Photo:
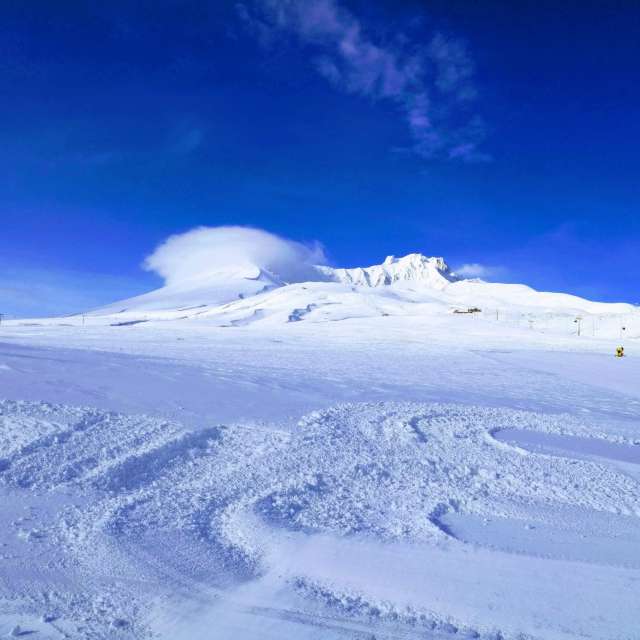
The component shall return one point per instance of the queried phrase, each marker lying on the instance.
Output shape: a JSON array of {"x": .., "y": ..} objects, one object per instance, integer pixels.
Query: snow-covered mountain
[
  {"x": 413, "y": 285},
  {"x": 239, "y": 282},
  {"x": 413, "y": 278}
]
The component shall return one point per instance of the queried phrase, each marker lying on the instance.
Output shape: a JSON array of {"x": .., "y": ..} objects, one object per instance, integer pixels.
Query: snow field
[{"x": 374, "y": 485}]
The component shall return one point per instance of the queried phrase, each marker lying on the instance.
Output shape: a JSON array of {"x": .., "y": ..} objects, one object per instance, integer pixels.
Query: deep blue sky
[{"x": 123, "y": 124}]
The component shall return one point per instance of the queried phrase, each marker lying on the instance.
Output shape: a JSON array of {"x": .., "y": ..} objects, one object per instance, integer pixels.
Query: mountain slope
[{"x": 198, "y": 293}]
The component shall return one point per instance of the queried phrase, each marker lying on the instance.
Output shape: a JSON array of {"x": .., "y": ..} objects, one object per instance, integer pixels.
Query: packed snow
[{"x": 385, "y": 452}]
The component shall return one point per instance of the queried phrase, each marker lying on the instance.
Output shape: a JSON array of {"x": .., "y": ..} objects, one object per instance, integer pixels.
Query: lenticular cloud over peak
[{"x": 205, "y": 251}]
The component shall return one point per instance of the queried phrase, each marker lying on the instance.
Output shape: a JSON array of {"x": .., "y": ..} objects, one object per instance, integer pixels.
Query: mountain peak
[
  {"x": 414, "y": 267},
  {"x": 417, "y": 259}
]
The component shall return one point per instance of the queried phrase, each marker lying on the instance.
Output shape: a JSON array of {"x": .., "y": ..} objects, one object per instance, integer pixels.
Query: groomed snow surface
[{"x": 348, "y": 476}]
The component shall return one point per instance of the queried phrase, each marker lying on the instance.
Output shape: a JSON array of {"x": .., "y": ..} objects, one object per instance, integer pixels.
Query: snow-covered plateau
[{"x": 375, "y": 453}]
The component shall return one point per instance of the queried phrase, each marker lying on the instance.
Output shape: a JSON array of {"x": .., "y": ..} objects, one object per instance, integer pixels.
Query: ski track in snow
[{"x": 148, "y": 509}]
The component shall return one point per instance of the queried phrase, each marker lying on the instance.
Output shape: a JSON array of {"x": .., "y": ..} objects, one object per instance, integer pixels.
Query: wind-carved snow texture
[{"x": 157, "y": 508}]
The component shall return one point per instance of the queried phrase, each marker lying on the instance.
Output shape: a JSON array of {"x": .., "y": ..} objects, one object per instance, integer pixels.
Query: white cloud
[
  {"x": 429, "y": 84},
  {"x": 207, "y": 250},
  {"x": 476, "y": 270}
]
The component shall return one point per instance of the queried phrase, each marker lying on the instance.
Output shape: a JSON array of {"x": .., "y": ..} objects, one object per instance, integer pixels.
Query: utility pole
[{"x": 578, "y": 320}]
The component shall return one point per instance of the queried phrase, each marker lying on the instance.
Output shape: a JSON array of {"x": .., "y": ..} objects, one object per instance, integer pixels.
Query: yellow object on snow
[{"x": 619, "y": 352}]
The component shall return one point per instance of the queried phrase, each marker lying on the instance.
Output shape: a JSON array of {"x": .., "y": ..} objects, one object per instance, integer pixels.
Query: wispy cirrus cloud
[{"x": 431, "y": 85}]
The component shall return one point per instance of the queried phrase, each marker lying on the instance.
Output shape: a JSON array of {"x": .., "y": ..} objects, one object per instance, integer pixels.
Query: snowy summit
[{"x": 413, "y": 268}]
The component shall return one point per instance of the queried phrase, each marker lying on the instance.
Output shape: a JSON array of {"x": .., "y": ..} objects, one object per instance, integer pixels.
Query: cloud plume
[
  {"x": 430, "y": 85},
  {"x": 476, "y": 270},
  {"x": 204, "y": 251}
]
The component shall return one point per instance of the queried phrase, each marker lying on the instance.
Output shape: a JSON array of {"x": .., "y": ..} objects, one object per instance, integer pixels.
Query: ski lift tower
[{"x": 578, "y": 321}]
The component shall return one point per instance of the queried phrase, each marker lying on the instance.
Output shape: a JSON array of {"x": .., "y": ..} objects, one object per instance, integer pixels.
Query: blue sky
[{"x": 498, "y": 133}]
